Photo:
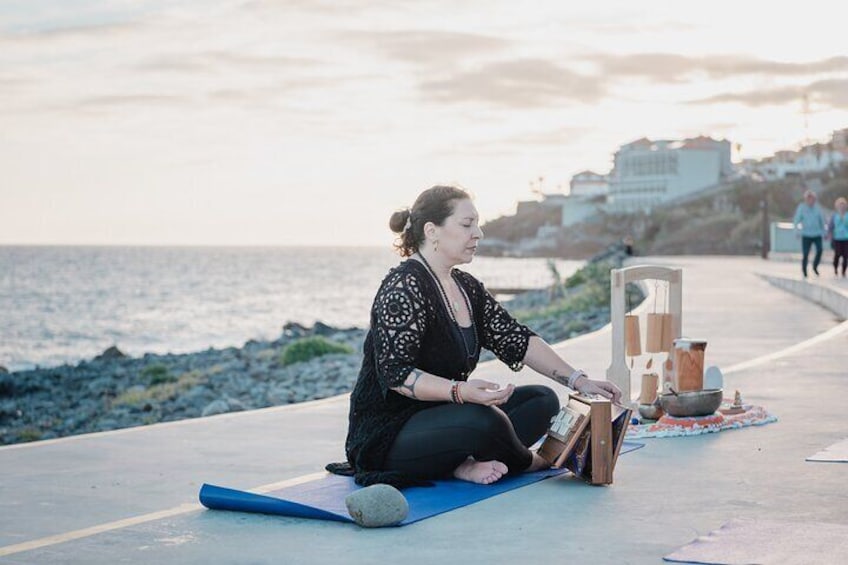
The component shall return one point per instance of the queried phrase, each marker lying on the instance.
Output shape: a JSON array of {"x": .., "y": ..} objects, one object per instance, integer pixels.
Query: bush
[
  {"x": 160, "y": 392},
  {"x": 310, "y": 348},
  {"x": 588, "y": 289},
  {"x": 29, "y": 434},
  {"x": 157, "y": 374}
]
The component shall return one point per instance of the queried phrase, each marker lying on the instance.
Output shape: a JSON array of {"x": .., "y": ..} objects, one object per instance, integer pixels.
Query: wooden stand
[
  {"x": 591, "y": 441},
  {"x": 618, "y": 371}
]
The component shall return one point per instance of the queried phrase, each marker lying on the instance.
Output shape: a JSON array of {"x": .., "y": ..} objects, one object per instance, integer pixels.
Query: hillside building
[
  {"x": 646, "y": 173},
  {"x": 588, "y": 183},
  {"x": 813, "y": 158}
]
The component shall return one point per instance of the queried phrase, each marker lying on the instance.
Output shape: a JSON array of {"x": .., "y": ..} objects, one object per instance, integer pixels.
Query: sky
[{"x": 308, "y": 122}]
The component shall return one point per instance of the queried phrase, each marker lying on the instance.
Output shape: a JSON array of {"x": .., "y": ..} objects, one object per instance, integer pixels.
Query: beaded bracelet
[
  {"x": 572, "y": 379},
  {"x": 456, "y": 395}
]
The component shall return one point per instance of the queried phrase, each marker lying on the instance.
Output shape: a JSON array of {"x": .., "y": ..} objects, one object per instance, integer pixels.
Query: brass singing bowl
[{"x": 692, "y": 403}]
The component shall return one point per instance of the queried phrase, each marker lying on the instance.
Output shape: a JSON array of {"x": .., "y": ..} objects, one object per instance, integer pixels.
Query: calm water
[{"x": 64, "y": 304}]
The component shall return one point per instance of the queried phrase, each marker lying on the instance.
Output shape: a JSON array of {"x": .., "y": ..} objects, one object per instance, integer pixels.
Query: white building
[
  {"x": 646, "y": 173},
  {"x": 810, "y": 159},
  {"x": 588, "y": 183},
  {"x": 573, "y": 208}
]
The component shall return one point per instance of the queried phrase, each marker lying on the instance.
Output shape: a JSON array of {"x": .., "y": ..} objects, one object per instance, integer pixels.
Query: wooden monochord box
[{"x": 586, "y": 437}]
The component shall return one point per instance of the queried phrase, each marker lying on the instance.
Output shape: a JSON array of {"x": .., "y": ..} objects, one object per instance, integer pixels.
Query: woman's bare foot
[
  {"x": 538, "y": 463},
  {"x": 480, "y": 472}
]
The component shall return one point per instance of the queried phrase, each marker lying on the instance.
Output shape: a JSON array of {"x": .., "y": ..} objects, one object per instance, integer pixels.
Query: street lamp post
[{"x": 765, "y": 224}]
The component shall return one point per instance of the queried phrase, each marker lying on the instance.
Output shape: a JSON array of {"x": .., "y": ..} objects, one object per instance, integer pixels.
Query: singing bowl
[
  {"x": 692, "y": 403},
  {"x": 650, "y": 411}
]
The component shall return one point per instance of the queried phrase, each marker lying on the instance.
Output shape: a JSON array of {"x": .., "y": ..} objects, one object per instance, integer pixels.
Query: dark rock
[
  {"x": 294, "y": 330},
  {"x": 219, "y": 406},
  {"x": 222, "y": 406},
  {"x": 111, "y": 353},
  {"x": 3, "y": 370},
  {"x": 322, "y": 329},
  {"x": 7, "y": 386}
]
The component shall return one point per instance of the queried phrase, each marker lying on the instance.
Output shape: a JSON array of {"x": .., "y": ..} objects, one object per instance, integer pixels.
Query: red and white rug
[{"x": 669, "y": 426}]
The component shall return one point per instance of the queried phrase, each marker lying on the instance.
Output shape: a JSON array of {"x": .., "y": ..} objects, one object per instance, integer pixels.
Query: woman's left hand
[
  {"x": 606, "y": 389},
  {"x": 478, "y": 391}
]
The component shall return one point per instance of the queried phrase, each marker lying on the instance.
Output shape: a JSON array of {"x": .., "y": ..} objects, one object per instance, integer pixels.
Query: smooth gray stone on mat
[{"x": 377, "y": 506}]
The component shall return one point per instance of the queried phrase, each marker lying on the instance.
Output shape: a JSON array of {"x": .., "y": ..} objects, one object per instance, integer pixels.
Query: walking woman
[{"x": 838, "y": 232}]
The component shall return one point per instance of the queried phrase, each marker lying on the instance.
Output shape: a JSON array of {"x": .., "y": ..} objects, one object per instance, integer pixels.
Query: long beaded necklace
[{"x": 469, "y": 351}]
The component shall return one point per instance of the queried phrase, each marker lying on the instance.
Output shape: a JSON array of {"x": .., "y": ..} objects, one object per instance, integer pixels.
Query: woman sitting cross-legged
[{"x": 414, "y": 413}]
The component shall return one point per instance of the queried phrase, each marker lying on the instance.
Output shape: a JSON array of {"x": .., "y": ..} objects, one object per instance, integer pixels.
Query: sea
[{"x": 64, "y": 304}]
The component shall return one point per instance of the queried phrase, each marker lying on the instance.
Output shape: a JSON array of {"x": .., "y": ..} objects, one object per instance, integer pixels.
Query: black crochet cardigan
[{"x": 411, "y": 328}]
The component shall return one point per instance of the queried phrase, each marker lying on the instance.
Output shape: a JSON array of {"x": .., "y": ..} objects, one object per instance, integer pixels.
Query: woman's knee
[
  {"x": 550, "y": 401},
  {"x": 544, "y": 399},
  {"x": 486, "y": 419}
]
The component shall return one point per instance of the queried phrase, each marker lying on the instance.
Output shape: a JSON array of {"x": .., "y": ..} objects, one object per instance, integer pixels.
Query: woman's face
[
  {"x": 459, "y": 234},
  {"x": 841, "y": 206}
]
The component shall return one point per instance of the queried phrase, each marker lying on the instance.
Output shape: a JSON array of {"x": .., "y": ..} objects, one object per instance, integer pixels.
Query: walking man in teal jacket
[{"x": 809, "y": 223}]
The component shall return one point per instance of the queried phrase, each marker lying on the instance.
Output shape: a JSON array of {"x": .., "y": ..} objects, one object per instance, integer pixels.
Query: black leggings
[
  {"x": 840, "y": 249},
  {"x": 437, "y": 440}
]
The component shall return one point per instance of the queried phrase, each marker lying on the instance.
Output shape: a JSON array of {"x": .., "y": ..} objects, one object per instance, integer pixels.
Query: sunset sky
[{"x": 307, "y": 122}]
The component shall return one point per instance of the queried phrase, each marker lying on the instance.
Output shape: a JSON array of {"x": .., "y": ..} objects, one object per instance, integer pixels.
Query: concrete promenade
[{"x": 130, "y": 496}]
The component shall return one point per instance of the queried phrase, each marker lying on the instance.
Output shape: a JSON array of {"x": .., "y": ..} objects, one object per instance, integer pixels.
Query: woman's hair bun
[{"x": 397, "y": 222}]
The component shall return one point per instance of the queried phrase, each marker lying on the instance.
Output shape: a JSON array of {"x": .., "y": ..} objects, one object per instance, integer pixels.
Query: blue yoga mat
[{"x": 323, "y": 498}]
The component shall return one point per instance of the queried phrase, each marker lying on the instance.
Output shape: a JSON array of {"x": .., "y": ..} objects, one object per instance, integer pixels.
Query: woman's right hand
[{"x": 478, "y": 391}]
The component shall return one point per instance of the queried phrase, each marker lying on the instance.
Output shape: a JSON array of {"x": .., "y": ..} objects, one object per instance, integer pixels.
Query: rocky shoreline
[{"x": 113, "y": 391}]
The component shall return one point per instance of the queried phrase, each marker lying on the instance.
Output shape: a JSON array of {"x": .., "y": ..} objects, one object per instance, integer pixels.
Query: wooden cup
[{"x": 648, "y": 394}]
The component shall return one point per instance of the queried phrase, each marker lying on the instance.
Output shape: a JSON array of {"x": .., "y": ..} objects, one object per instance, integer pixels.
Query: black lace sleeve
[
  {"x": 399, "y": 320},
  {"x": 502, "y": 334}
]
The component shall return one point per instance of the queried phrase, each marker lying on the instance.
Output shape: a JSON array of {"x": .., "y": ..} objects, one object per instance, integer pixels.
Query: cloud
[
  {"x": 670, "y": 67},
  {"x": 831, "y": 92},
  {"x": 427, "y": 47},
  {"x": 212, "y": 60},
  {"x": 718, "y": 126},
  {"x": 70, "y": 32},
  {"x": 130, "y": 100},
  {"x": 557, "y": 137},
  {"x": 318, "y": 6},
  {"x": 14, "y": 81},
  {"x": 634, "y": 28},
  {"x": 761, "y": 97},
  {"x": 519, "y": 83}
]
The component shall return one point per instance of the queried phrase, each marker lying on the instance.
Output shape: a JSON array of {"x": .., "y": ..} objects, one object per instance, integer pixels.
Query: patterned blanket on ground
[{"x": 669, "y": 426}]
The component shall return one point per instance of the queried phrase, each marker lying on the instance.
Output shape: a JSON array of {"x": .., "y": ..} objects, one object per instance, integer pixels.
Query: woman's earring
[{"x": 436, "y": 246}]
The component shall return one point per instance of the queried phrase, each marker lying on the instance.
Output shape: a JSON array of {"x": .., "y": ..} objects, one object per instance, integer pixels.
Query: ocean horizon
[{"x": 65, "y": 303}]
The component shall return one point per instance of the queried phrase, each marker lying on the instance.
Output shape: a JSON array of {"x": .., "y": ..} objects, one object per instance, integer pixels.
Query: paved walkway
[{"x": 130, "y": 495}]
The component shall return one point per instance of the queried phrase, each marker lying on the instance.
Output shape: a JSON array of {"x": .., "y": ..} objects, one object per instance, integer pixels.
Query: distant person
[
  {"x": 838, "y": 233},
  {"x": 416, "y": 412},
  {"x": 810, "y": 225},
  {"x": 627, "y": 241}
]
